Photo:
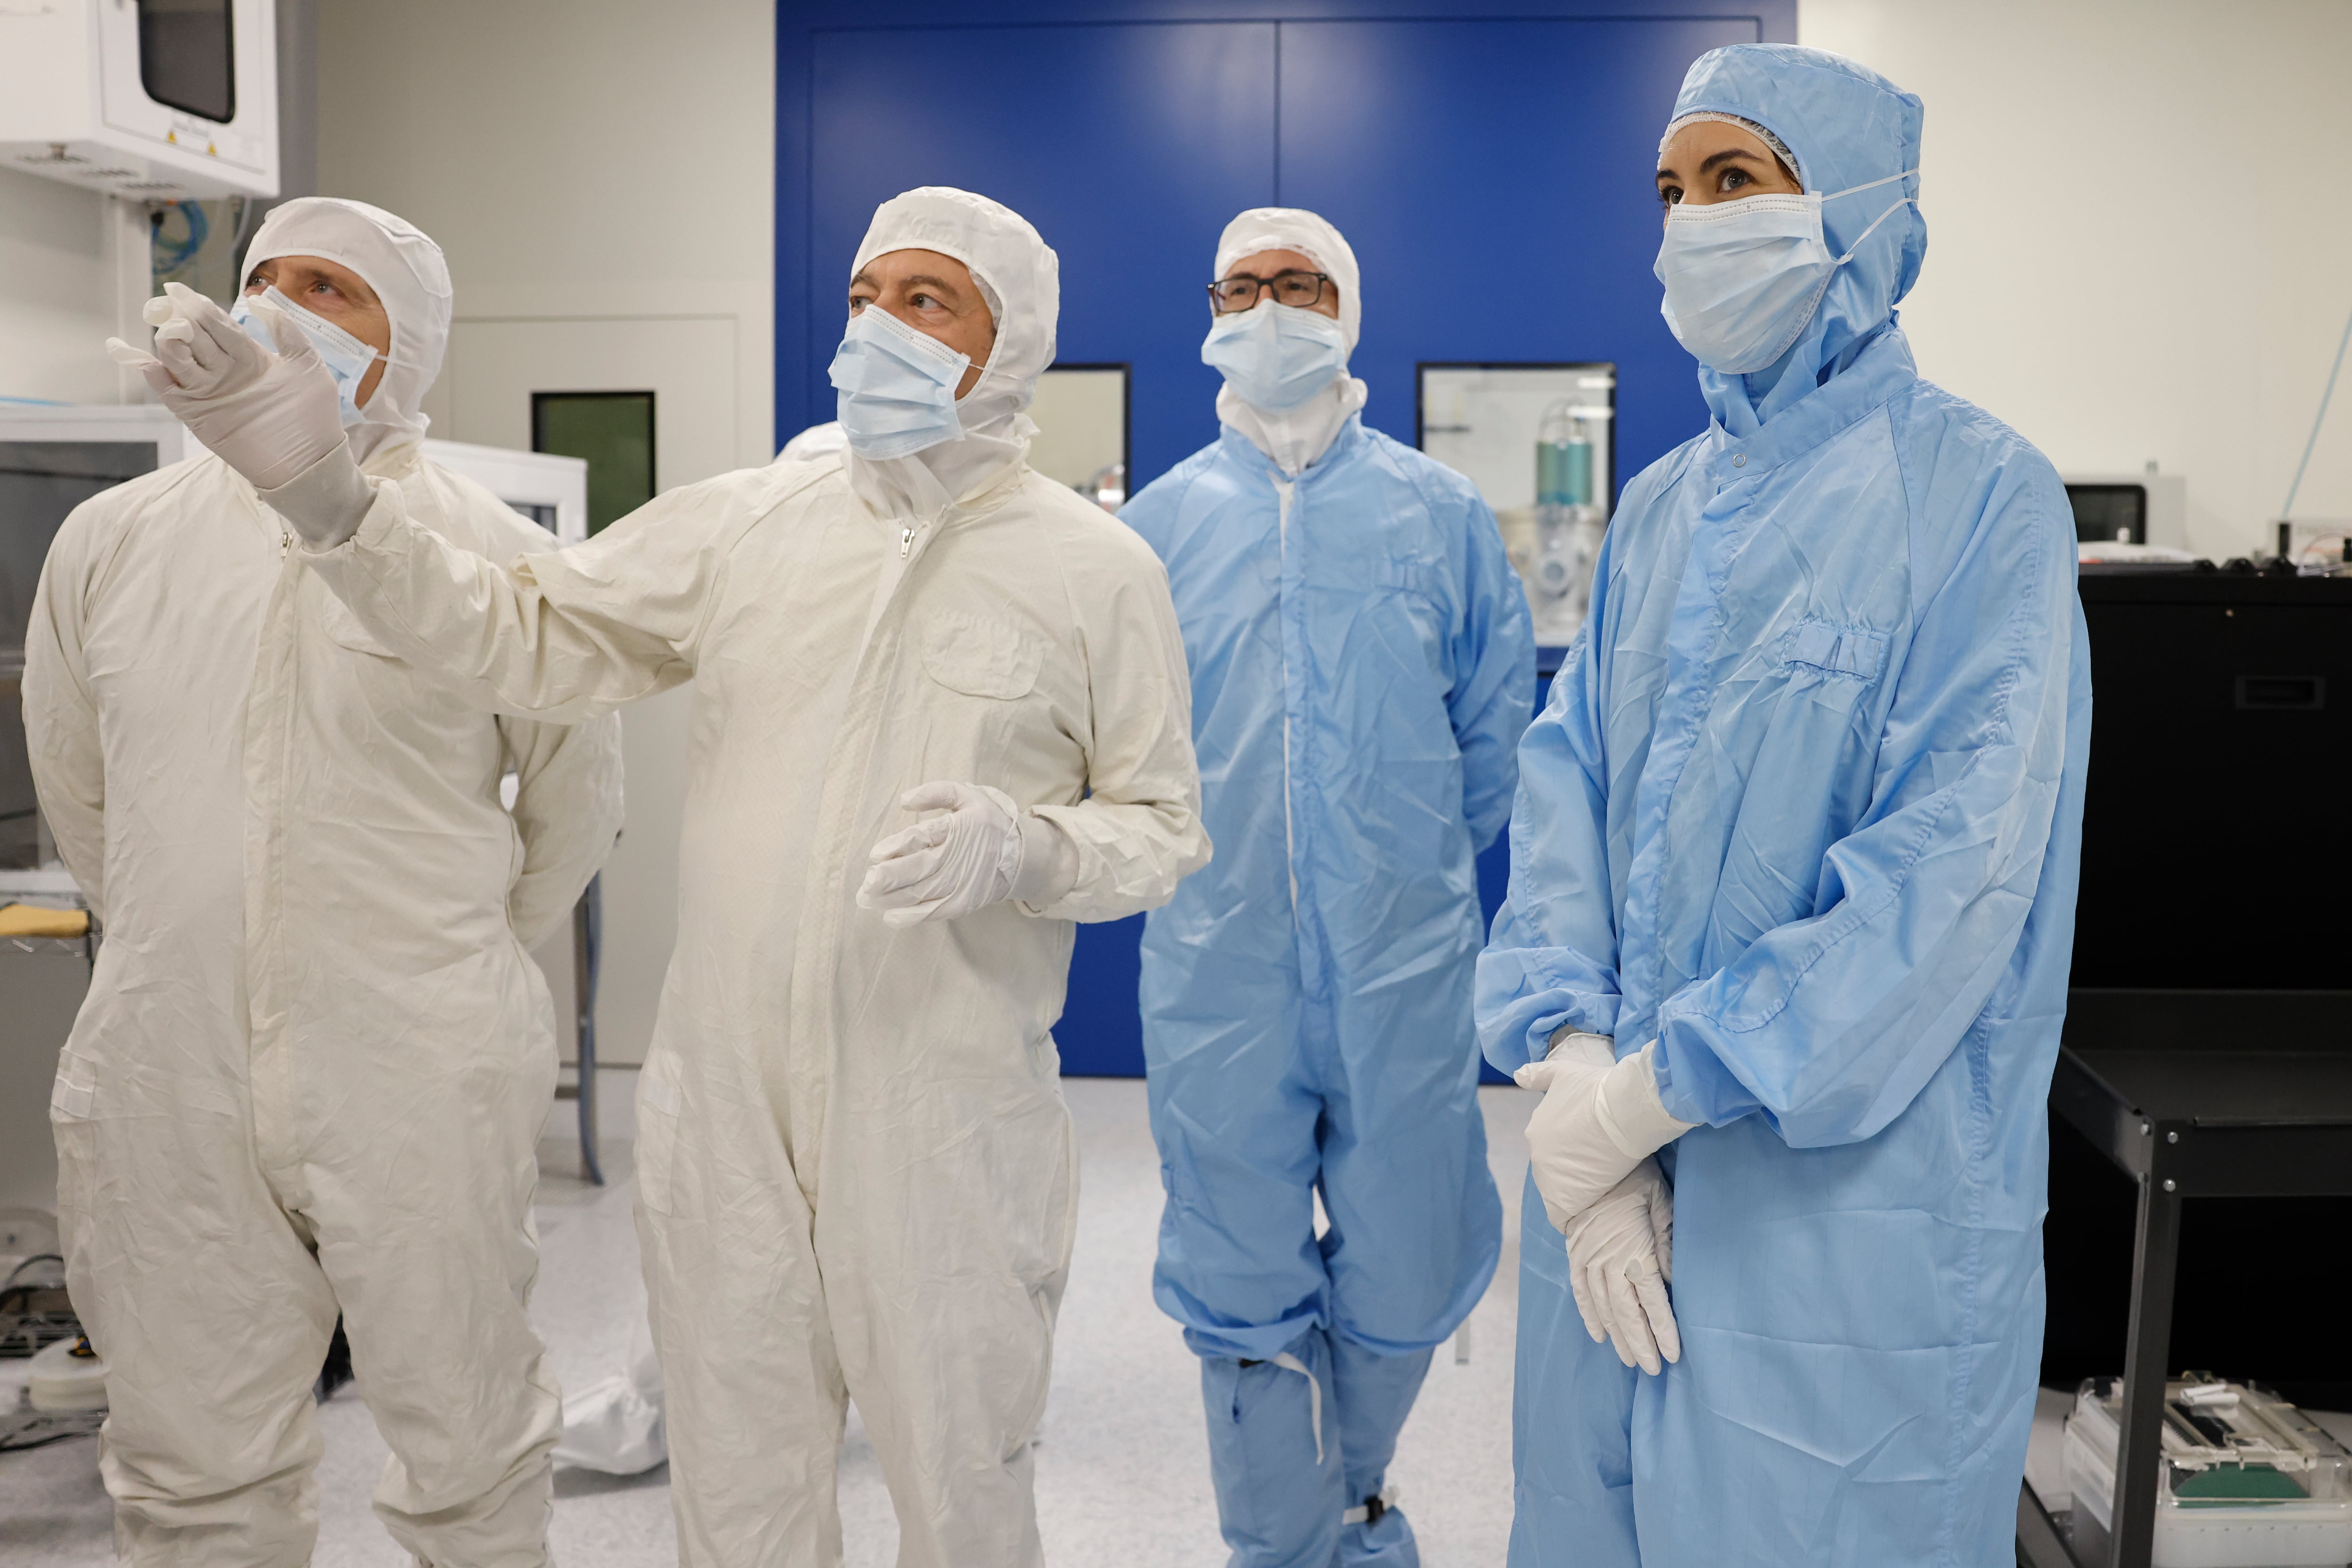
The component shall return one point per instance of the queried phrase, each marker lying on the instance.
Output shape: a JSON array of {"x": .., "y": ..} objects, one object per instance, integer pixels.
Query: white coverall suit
[
  {"x": 315, "y": 1056},
  {"x": 856, "y": 1173}
]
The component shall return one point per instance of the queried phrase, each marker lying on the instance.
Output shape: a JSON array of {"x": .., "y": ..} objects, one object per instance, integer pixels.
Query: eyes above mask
[
  {"x": 1742, "y": 278},
  {"x": 895, "y": 387},
  {"x": 1277, "y": 356},
  {"x": 346, "y": 358}
]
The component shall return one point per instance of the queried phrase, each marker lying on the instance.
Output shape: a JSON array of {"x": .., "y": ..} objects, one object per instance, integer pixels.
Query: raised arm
[{"x": 561, "y": 636}]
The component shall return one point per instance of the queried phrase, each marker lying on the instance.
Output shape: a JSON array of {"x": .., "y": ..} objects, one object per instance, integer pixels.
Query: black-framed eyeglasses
[{"x": 1240, "y": 291}]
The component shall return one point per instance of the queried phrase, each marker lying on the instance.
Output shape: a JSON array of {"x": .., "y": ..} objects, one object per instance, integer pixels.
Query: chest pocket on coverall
[{"x": 981, "y": 657}]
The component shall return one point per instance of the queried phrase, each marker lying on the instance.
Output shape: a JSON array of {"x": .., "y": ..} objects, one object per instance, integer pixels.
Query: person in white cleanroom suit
[
  {"x": 856, "y": 1173},
  {"x": 314, "y": 1060}
]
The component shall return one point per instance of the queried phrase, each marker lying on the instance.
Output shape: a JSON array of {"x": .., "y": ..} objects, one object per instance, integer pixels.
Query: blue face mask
[
  {"x": 1744, "y": 276},
  {"x": 346, "y": 358},
  {"x": 1277, "y": 356},
  {"x": 897, "y": 385}
]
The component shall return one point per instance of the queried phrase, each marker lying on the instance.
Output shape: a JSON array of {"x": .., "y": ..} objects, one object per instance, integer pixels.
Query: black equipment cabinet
[{"x": 2201, "y": 1181}]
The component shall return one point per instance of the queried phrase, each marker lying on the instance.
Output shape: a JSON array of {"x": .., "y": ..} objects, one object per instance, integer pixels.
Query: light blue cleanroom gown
[
  {"x": 1804, "y": 806},
  {"x": 1363, "y": 668}
]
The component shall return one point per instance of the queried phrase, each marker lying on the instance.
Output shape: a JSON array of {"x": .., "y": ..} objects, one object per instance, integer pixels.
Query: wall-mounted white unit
[
  {"x": 150, "y": 99},
  {"x": 551, "y": 492}
]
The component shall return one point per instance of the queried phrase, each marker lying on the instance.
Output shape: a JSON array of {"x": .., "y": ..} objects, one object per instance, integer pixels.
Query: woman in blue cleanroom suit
[
  {"x": 1795, "y": 849},
  {"x": 1362, "y": 666}
]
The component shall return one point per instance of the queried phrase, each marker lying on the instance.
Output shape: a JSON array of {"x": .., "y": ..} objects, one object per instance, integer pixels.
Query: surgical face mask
[
  {"x": 346, "y": 358},
  {"x": 1277, "y": 356},
  {"x": 897, "y": 386},
  {"x": 1744, "y": 276}
]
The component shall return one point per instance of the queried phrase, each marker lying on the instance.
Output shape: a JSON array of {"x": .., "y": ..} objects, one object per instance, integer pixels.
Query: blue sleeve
[
  {"x": 1830, "y": 1026},
  {"x": 1552, "y": 958},
  {"x": 1494, "y": 661}
]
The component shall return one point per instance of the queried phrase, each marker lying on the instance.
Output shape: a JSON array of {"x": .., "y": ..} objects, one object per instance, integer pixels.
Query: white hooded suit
[
  {"x": 315, "y": 1056},
  {"x": 856, "y": 1175}
]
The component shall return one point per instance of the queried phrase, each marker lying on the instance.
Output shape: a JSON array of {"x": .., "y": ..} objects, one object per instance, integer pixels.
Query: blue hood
[{"x": 1848, "y": 126}]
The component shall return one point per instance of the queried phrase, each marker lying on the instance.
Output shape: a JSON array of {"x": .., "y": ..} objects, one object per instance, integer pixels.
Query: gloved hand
[
  {"x": 1621, "y": 1256},
  {"x": 982, "y": 852},
  {"x": 271, "y": 416},
  {"x": 1598, "y": 1120}
]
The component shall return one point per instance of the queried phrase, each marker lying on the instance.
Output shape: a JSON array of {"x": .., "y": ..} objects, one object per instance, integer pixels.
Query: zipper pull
[
  {"x": 284, "y": 543},
  {"x": 906, "y": 543}
]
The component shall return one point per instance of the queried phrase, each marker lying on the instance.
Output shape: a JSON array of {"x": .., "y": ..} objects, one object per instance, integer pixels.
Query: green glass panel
[{"x": 614, "y": 432}]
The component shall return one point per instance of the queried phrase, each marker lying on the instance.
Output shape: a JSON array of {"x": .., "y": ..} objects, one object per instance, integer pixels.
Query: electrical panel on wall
[{"x": 150, "y": 100}]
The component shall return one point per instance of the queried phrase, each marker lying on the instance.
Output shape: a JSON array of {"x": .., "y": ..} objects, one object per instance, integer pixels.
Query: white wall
[
  {"x": 62, "y": 250},
  {"x": 2136, "y": 251},
  {"x": 576, "y": 159},
  {"x": 601, "y": 177}
]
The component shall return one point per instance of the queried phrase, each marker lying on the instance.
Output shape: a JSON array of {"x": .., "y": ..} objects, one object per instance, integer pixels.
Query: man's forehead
[{"x": 914, "y": 264}]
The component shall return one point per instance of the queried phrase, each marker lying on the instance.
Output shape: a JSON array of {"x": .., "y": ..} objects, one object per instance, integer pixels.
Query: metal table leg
[
  {"x": 587, "y": 940},
  {"x": 2155, "y": 1255}
]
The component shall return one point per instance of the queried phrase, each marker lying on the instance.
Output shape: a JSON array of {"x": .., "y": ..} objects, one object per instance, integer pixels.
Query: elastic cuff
[
  {"x": 1629, "y": 1111},
  {"x": 1597, "y": 1050},
  {"x": 1049, "y": 864},
  {"x": 327, "y": 502}
]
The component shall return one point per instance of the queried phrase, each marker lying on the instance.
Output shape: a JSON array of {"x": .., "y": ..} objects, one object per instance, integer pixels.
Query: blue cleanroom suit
[
  {"x": 1805, "y": 807},
  {"x": 1363, "y": 668}
]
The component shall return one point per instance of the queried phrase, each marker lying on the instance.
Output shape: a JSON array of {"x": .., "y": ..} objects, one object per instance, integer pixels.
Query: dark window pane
[
  {"x": 614, "y": 432},
  {"x": 187, "y": 56}
]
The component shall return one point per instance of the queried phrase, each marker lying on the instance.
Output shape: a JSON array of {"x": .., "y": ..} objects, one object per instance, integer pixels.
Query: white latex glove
[
  {"x": 1598, "y": 1120},
  {"x": 982, "y": 852},
  {"x": 271, "y": 416},
  {"x": 1621, "y": 1256}
]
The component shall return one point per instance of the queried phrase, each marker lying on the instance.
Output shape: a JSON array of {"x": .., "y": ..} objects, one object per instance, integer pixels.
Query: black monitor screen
[
  {"x": 2104, "y": 512},
  {"x": 187, "y": 56}
]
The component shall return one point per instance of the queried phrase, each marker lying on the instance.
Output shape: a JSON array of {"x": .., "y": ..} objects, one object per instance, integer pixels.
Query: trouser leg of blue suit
[
  {"x": 1274, "y": 1454},
  {"x": 1375, "y": 1394},
  {"x": 1571, "y": 1420}
]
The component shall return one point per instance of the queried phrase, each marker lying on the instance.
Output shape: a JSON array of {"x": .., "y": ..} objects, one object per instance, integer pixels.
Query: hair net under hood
[
  {"x": 1846, "y": 125},
  {"x": 405, "y": 268},
  {"x": 1296, "y": 437},
  {"x": 1020, "y": 278}
]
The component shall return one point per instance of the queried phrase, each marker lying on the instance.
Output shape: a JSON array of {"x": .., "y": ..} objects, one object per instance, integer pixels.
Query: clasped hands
[{"x": 1592, "y": 1145}]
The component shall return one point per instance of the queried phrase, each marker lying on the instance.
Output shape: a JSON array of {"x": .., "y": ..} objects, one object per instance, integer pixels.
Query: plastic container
[
  {"x": 68, "y": 1375},
  {"x": 2248, "y": 1481}
]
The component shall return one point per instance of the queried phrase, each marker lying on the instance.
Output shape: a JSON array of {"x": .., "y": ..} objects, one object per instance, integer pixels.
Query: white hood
[
  {"x": 1296, "y": 437},
  {"x": 406, "y": 269},
  {"x": 1021, "y": 280}
]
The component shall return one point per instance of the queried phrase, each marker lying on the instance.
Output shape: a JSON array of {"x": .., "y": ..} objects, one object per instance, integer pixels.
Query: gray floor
[{"x": 1122, "y": 1472}]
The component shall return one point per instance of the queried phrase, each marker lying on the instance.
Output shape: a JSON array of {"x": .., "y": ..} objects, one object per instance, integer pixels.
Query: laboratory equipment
[
  {"x": 1081, "y": 412},
  {"x": 152, "y": 99},
  {"x": 1568, "y": 516},
  {"x": 1484, "y": 421},
  {"x": 2145, "y": 508},
  {"x": 2245, "y": 1480}
]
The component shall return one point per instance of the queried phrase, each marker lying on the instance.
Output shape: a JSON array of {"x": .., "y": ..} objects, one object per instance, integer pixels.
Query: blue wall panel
[
  {"x": 1494, "y": 178},
  {"x": 1128, "y": 146}
]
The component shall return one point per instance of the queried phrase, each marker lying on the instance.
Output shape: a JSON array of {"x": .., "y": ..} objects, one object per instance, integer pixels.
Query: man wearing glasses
[{"x": 1362, "y": 666}]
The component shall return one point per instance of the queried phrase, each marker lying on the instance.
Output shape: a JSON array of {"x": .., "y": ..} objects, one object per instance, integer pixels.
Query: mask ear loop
[{"x": 1806, "y": 319}]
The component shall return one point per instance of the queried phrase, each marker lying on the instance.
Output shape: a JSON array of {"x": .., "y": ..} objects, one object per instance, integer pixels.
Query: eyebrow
[
  {"x": 1713, "y": 159},
  {"x": 913, "y": 280}
]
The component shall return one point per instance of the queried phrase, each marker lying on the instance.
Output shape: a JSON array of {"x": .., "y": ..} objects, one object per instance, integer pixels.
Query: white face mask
[
  {"x": 897, "y": 386},
  {"x": 346, "y": 358},
  {"x": 1744, "y": 276},
  {"x": 1277, "y": 356}
]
